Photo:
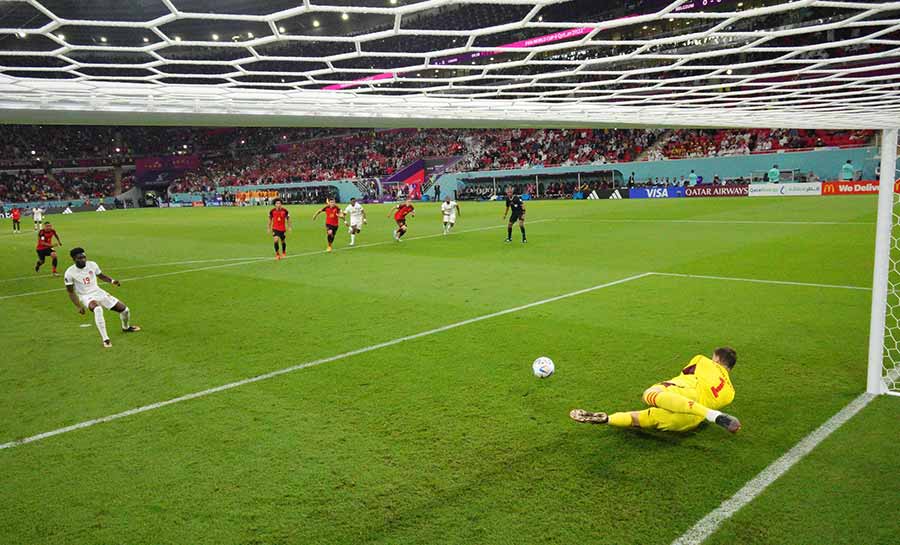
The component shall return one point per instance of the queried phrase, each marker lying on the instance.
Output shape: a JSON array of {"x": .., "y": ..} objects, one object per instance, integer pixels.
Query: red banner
[
  {"x": 741, "y": 190},
  {"x": 851, "y": 188}
]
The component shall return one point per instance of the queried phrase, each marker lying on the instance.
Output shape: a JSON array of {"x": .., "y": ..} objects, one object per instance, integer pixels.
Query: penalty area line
[
  {"x": 763, "y": 281},
  {"x": 724, "y": 222},
  {"x": 286, "y": 370},
  {"x": 706, "y": 526}
]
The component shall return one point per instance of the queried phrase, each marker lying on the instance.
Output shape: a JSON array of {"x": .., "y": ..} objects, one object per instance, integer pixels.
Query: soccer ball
[{"x": 543, "y": 367}]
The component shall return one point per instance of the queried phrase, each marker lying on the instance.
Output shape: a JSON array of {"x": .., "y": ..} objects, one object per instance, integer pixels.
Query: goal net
[{"x": 717, "y": 63}]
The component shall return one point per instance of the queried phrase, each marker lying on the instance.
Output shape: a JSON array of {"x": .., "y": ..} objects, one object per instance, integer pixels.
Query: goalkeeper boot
[
  {"x": 587, "y": 417},
  {"x": 728, "y": 422}
]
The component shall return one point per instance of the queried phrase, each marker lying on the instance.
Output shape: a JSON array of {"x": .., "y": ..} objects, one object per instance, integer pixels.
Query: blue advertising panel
[{"x": 656, "y": 192}]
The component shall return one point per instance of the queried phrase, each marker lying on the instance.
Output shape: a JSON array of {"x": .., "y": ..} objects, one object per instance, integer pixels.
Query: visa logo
[{"x": 657, "y": 193}]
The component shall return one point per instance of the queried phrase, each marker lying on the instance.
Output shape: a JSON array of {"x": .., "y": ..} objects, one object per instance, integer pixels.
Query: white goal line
[{"x": 708, "y": 525}]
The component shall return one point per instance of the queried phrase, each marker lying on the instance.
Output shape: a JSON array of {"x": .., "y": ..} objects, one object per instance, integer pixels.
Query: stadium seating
[
  {"x": 234, "y": 157},
  {"x": 26, "y": 186},
  {"x": 682, "y": 144}
]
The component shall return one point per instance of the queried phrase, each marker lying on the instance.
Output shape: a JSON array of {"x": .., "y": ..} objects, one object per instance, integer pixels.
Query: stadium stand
[{"x": 233, "y": 157}]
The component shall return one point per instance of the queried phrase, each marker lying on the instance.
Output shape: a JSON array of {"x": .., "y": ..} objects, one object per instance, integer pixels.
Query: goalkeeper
[{"x": 682, "y": 403}]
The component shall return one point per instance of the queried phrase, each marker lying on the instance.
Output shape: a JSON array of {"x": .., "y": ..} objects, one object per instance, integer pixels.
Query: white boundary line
[
  {"x": 706, "y": 526},
  {"x": 273, "y": 374},
  {"x": 725, "y": 222},
  {"x": 264, "y": 259},
  {"x": 762, "y": 281},
  {"x": 146, "y": 266},
  {"x": 751, "y": 222}
]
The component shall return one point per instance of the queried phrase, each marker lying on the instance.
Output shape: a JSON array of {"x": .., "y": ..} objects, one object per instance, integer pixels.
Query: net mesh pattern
[{"x": 685, "y": 62}]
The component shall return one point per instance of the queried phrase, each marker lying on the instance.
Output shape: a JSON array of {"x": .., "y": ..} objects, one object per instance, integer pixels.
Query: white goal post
[{"x": 884, "y": 332}]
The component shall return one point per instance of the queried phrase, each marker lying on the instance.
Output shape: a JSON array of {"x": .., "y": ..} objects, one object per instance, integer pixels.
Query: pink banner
[{"x": 531, "y": 42}]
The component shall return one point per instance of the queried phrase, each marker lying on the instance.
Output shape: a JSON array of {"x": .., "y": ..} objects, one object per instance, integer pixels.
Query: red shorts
[{"x": 401, "y": 222}]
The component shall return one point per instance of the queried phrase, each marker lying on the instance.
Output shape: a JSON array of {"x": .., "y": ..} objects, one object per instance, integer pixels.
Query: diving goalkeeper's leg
[{"x": 659, "y": 396}]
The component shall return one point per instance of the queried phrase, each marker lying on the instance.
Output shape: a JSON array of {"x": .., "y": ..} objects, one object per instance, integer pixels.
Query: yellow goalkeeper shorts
[{"x": 664, "y": 420}]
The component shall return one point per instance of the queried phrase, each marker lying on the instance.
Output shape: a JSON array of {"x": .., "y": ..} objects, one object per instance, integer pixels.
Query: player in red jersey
[
  {"x": 45, "y": 247},
  {"x": 17, "y": 218},
  {"x": 279, "y": 222},
  {"x": 400, "y": 212},
  {"x": 333, "y": 217}
]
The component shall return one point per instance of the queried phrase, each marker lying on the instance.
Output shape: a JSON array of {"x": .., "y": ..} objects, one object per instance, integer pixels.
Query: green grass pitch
[{"x": 446, "y": 438}]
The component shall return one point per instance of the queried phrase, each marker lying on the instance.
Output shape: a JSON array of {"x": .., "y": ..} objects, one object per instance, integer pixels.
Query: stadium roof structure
[{"x": 452, "y": 63}]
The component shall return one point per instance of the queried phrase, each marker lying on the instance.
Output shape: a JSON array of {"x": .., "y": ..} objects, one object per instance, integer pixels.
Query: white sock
[
  {"x": 124, "y": 316},
  {"x": 101, "y": 322},
  {"x": 712, "y": 415},
  {"x": 352, "y": 238}
]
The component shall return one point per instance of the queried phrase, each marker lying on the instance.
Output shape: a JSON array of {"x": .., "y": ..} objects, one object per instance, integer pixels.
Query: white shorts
[
  {"x": 356, "y": 225},
  {"x": 450, "y": 219},
  {"x": 104, "y": 299}
]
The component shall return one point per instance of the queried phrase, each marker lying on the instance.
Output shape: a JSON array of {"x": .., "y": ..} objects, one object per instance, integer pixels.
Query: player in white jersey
[
  {"x": 38, "y": 214},
  {"x": 449, "y": 211},
  {"x": 356, "y": 218},
  {"x": 81, "y": 284}
]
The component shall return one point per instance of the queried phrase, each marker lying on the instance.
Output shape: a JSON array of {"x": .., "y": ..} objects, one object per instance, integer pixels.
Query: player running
[
  {"x": 449, "y": 211},
  {"x": 356, "y": 218},
  {"x": 681, "y": 403},
  {"x": 400, "y": 212},
  {"x": 279, "y": 223},
  {"x": 17, "y": 220},
  {"x": 81, "y": 285},
  {"x": 38, "y": 214},
  {"x": 333, "y": 217},
  {"x": 45, "y": 247},
  {"x": 514, "y": 203}
]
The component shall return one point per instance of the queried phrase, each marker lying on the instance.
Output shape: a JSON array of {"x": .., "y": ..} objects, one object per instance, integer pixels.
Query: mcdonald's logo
[
  {"x": 828, "y": 189},
  {"x": 897, "y": 186}
]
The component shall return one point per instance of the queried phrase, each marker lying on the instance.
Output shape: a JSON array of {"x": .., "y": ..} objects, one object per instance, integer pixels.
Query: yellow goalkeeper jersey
[{"x": 710, "y": 381}]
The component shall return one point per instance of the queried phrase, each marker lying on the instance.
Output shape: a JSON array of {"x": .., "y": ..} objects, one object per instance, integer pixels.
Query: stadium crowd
[
  {"x": 379, "y": 153},
  {"x": 26, "y": 186},
  {"x": 681, "y": 144},
  {"x": 234, "y": 157}
]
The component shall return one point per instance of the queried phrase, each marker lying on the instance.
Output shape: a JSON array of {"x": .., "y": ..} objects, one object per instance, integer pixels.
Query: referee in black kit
[{"x": 514, "y": 203}]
